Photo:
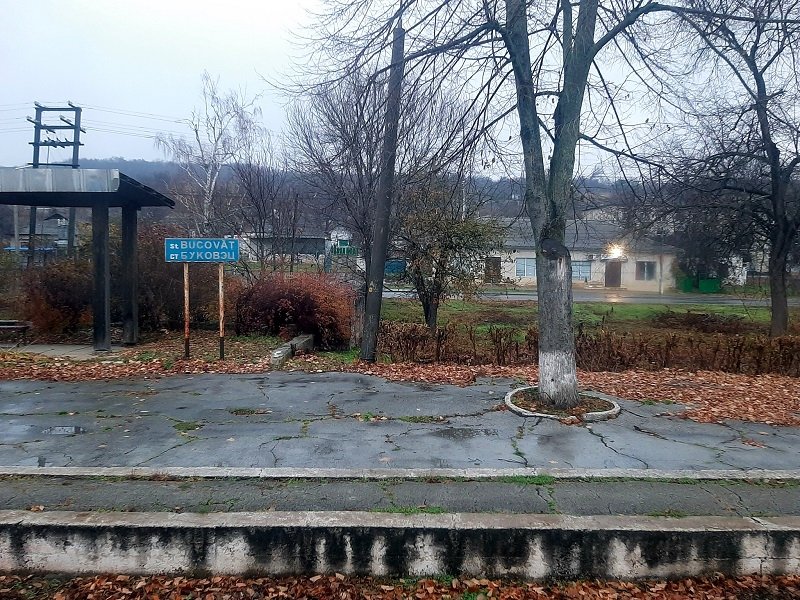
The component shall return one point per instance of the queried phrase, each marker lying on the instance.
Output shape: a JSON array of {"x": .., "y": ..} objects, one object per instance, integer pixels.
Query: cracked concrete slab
[{"x": 305, "y": 420}]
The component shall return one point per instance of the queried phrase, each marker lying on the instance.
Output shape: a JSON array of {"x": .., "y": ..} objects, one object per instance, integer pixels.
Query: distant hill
[{"x": 156, "y": 174}]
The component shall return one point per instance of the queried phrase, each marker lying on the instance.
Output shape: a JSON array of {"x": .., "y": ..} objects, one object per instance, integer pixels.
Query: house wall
[{"x": 597, "y": 270}]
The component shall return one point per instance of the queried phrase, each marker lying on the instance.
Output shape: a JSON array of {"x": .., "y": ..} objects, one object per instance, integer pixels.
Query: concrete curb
[
  {"x": 531, "y": 546},
  {"x": 397, "y": 473},
  {"x": 589, "y": 417}
]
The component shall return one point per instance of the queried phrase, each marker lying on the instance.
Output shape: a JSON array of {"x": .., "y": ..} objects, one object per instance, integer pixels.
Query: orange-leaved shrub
[{"x": 286, "y": 305}]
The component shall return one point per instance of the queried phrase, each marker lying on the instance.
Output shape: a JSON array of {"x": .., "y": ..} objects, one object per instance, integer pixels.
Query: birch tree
[{"x": 206, "y": 152}]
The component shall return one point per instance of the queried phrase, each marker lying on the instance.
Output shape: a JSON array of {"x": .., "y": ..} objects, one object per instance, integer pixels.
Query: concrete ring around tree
[{"x": 588, "y": 417}]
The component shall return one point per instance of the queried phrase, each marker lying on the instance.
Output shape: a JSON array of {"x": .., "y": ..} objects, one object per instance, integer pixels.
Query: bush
[
  {"x": 161, "y": 283},
  {"x": 278, "y": 304},
  {"x": 10, "y": 285},
  {"x": 598, "y": 350},
  {"x": 58, "y": 296}
]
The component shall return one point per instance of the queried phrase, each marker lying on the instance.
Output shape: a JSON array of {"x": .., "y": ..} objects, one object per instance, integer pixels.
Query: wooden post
[
  {"x": 186, "y": 311},
  {"x": 130, "y": 277},
  {"x": 222, "y": 311},
  {"x": 101, "y": 305}
]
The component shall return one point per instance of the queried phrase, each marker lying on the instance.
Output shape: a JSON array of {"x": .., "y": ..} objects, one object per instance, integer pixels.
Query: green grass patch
[
  {"x": 522, "y": 314},
  {"x": 340, "y": 356},
  {"x": 411, "y": 510},
  {"x": 527, "y": 479},
  {"x": 420, "y": 419},
  {"x": 186, "y": 426}
]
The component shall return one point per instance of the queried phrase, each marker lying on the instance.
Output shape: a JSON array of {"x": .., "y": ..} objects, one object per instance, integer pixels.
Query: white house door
[{"x": 613, "y": 273}]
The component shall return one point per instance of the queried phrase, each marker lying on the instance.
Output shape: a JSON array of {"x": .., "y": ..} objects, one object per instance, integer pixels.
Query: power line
[
  {"x": 119, "y": 132},
  {"x": 117, "y": 125},
  {"x": 137, "y": 114}
]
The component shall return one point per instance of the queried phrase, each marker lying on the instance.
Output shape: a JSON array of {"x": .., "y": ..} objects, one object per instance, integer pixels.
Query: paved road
[
  {"x": 286, "y": 419},
  {"x": 622, "y": 297}
]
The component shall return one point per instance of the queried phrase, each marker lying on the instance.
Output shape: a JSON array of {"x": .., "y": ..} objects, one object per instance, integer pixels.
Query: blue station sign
[{"x": 209, "y": 250}]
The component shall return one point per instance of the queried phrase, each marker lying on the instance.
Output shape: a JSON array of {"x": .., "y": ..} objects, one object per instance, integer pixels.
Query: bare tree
[
  {"x": 261, "y": 181},
  {"x": 750, "y": 137},
  {"x": 336, "y": 139},
  {"x": 733, "y": 152},
  {"x": 204, "y": 157}
]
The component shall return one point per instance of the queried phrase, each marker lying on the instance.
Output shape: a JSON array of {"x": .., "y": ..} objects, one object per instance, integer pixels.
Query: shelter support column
[
  {"x": 101, "y": 304},
  {"x": 130, "y": 277}
]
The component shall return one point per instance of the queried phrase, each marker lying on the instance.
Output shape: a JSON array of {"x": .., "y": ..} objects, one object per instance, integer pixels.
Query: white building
[{"x": 603, "y": 256}]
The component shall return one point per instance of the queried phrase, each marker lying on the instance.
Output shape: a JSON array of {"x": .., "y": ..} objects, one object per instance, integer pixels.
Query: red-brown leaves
[
  {"x": 710, "y": 396},
  {"x": 339, "y": 587}
]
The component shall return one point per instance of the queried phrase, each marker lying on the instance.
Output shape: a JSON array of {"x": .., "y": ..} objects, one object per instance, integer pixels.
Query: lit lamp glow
[{"x": 616, "y": 251}]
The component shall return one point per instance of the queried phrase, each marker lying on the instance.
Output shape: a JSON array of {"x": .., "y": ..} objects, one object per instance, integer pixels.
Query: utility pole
[
  {"x": 380, "y": 238},
  {"x": 65, "y": 124}
]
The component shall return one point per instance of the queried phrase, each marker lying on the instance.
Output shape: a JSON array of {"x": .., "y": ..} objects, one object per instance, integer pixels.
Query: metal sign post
[
  {"x": 221, "y": 311},
  {"x": 186, "y": 310},
  {"x": 202, "y": 250}
]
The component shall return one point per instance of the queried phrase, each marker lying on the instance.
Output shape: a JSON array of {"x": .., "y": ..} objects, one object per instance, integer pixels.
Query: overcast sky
[{"x": 135, "y": 66}]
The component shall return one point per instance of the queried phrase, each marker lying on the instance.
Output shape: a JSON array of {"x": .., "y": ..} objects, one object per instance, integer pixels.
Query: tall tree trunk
[
  {"x": 546, "y": 198},
  {"x": 431, "y": 309},
  {"x": 558, "y": 381},
  {"x": 779, "y": 321}
]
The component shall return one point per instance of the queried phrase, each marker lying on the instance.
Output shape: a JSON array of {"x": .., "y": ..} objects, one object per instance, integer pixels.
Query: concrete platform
[
  {"x": 351, "y": 421},
  {"x": 298, "y": 473}
]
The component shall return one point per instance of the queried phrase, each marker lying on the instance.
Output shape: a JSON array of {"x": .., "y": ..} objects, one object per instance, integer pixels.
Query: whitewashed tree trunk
[
  {"x": 547, "y": 195},
  {"x": 558, "y": 382}
]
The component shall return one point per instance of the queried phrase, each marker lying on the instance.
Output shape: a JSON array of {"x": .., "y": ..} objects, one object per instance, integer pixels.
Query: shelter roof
[{"x": 63, "y": 187}]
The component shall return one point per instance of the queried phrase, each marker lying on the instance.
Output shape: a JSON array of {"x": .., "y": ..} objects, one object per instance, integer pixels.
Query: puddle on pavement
[{"x": 64, "y": 430}]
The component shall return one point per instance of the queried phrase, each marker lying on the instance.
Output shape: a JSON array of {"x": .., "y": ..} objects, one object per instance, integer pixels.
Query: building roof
[
  {"x": 590, "y": 236},
  {"x": 63, "y": 187}
]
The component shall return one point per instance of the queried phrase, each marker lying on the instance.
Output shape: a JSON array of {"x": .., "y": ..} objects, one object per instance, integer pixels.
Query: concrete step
[
  {"x": 530, "y": 546},
  {"x": 489, "y": 526},
  {"x": 520, "y": 494}
]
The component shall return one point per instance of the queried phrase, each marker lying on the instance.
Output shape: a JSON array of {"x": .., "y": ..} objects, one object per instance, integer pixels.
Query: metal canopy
[
  {"x": 76, "y": 187},
  {"x": 100, "y": 189}
]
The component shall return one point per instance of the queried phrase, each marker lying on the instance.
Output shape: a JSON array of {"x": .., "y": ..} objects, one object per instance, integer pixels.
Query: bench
[{"x": 19, "y": 327}]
